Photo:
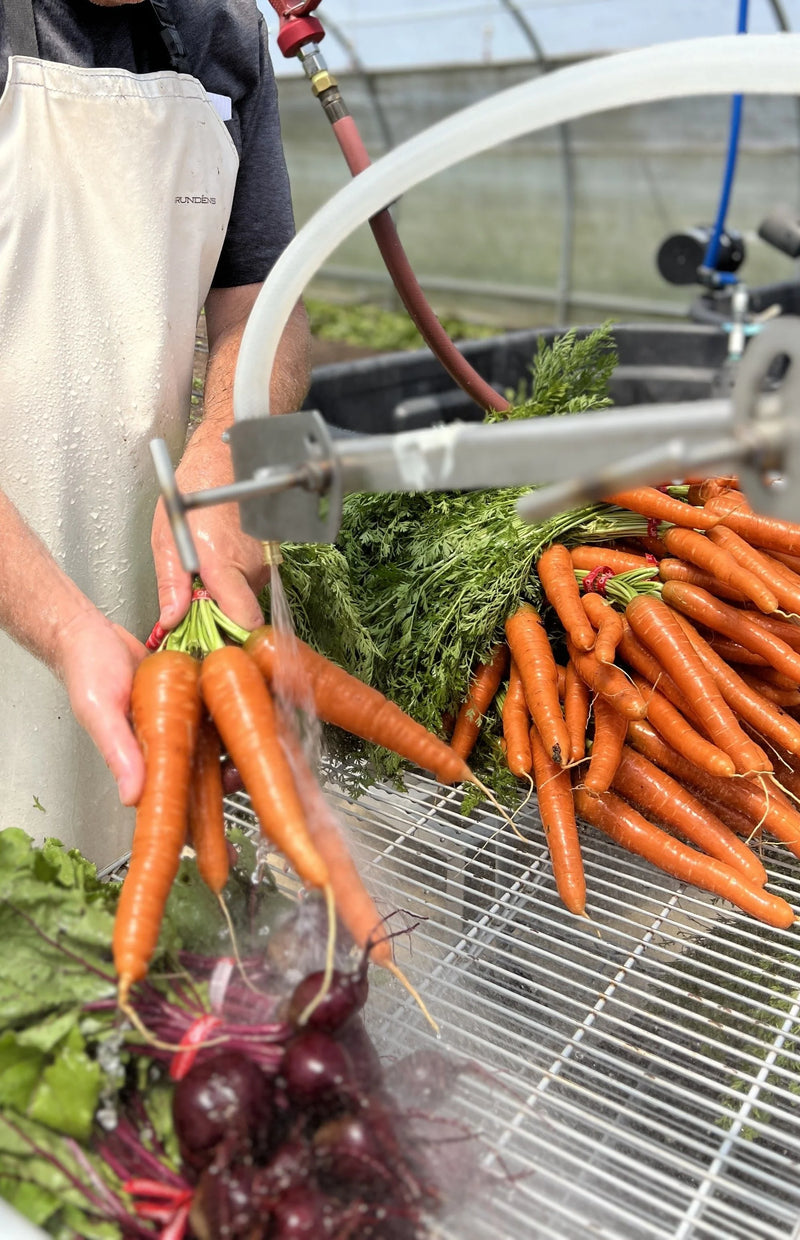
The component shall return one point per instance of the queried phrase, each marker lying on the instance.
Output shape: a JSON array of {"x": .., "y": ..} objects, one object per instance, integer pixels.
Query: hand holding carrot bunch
[{"x": 197, "y": 694}]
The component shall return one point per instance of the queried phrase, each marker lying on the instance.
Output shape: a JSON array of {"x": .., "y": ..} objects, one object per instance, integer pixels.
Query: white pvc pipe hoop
[{"x": 725, "y": 65}]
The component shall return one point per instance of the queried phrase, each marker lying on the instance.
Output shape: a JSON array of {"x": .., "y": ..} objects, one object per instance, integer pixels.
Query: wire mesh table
[{"x": 639, "y": 1070}]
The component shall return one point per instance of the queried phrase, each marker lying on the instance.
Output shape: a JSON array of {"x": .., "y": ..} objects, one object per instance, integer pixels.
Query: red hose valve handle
[
  {"x": 297, "y": 31},
  {"x": 294, "y": 8},
  {"x": 297, "y": 26}
]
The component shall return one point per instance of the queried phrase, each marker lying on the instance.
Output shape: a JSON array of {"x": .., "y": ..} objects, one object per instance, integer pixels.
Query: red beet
[
  {"x": 346, "y": 995},
  {"x": 316, "y": 1070},
  {"x": 223, "y": 1100},
  {"x": 231, "y": 779},
  {"x": 224, "y": 1206},
  {"x": 300, "y": 1214},
  {"x": 367, "y": 1067},
  {"x": 350, "y": 1156}
]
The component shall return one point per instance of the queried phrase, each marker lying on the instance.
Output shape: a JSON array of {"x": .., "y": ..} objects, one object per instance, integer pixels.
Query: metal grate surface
[{"x": 643, "y": 1066}]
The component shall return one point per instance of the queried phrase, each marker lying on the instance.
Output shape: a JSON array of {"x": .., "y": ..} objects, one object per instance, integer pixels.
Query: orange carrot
[
  {"x": 557, "y": 576},
  {"x": 654, "y": 547},
  {"x": 774, "y": 694},
  {"x": 783, "y": 629},
  {"x": 657, "y": 626},
  {"x": 780, "y": 581},
  {"x": 590, "y": 557},
  {"x": 643, "y": 661},
  {"x": 342, "y": 699},
  {"x": 708, "y": 488},
  {"x": 707, "y": 554},
  {"x": 677, "y": 731},
  {"x": 654, "y": 792},
  {"x": 732, "y": 652},
  {"x": 531, "y": 651},
  {"x": 165, "y": 709},
  {"x": 557, "y": 810},
  {"x": 516, "y": 726},
  {"x": 734, "y": 819},
  {"x": 769, "y": 532},
  {"x": 626, "y": 826},
  {"x": 789, "y": 778},
  {"x": 354, "y": 904},
  {"x": 611, "y": 681},
  {"x": 651, "y": 502},
  {"x": 743, "y": 627},
  {"x": 792, "y": 562},
  {"x": 241, "y": 706},
  {"x": 206, "y": 811},
  {"x": 772, "y": 724},
  {"x": 576, "y": 711},
  {"x": 759, "y": 800},
  {"x": 607, "y": 622},
  {"x": 767, "y": 674},
  {"x": 610, "y": 730},
  {"x": 671, "y": 569},
  {"x": 483, "y": 687}
]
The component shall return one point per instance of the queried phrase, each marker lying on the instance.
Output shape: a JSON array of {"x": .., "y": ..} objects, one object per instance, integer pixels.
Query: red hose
[{"x": 411, "y": 294}]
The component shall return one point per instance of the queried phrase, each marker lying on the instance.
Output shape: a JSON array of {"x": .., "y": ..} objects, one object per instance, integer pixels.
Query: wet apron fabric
[{"x": 115, "y": 193}]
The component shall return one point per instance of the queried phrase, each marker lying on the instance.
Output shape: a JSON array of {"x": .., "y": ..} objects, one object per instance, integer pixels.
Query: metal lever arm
[{"x": 292, "y": 476}]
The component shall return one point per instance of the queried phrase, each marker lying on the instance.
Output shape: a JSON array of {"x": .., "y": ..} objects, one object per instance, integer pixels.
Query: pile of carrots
[{"x": 671, "y": 721}]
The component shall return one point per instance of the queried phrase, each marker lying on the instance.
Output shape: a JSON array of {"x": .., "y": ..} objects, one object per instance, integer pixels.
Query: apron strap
[
  {"x": 21, "y": 28},
  {"x": 170, "y": 36}
]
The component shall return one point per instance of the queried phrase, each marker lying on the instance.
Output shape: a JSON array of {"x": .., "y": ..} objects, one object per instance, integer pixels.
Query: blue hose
[{"x": 712, "y": 250}]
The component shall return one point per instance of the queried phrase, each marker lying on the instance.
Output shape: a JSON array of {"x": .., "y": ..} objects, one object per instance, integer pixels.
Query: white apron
[{"x": 115, "y": 193}]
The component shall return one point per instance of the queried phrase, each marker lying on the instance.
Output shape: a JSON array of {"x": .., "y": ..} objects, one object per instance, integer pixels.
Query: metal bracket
[{"x": 309, "y": 508}]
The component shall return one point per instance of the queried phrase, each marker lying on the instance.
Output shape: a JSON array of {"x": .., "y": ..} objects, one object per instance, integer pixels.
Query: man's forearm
[
  {"x": 38, "y": 602},
  {"x": 288, "y": 387}
]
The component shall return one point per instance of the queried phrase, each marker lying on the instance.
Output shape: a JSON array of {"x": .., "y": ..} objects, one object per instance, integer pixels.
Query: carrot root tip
[
  {"x": 330, "y": 959},
  {"x": 397, "y": 972},
  {"x": 235, "y": 945}
]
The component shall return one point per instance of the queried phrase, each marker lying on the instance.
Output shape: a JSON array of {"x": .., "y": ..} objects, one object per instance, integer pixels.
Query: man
[{"x": 132, "y": 192}]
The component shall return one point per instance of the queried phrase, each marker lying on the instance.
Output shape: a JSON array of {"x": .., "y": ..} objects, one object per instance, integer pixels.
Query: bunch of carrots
[
  {"x": 210, "y": 688},
  {"x": 670, "y": 723}
]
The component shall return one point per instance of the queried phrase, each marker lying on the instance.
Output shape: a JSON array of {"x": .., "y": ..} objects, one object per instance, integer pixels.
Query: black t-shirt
[{"x": 226, "y": 48}]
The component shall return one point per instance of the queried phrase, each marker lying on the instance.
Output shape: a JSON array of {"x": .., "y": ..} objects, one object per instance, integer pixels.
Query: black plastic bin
[{"x": 404, "y": 391}]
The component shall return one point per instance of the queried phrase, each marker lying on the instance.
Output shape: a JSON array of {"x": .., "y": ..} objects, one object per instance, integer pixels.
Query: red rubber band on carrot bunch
[
  {"x": 156, "y": 637},
  {"x": 196, "y": 1036},
  {"x": 595, "y": 581}
]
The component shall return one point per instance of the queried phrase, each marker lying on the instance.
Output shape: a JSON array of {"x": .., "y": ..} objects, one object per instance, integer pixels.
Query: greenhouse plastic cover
[{"x": 386, "y": 34}]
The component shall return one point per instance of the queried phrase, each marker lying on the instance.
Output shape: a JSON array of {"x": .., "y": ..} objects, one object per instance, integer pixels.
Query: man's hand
[
  {"x": 96, "y": 661},
  {"x": 231, "y": 563}
]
